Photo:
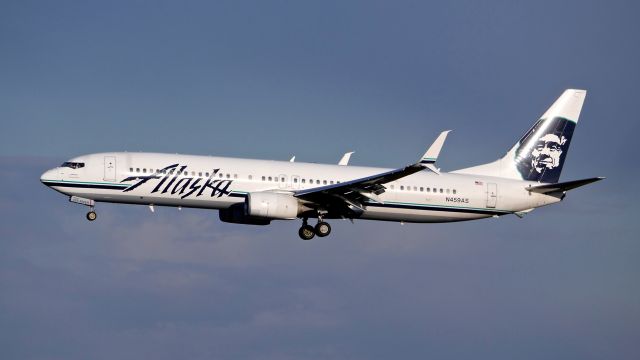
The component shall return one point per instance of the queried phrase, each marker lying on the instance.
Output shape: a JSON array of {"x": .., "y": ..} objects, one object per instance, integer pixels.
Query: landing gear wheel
[
  {"x": 306, "y": 232},
  {"x": 322, "y": 229},
  {"x": 91, "y": 215}
]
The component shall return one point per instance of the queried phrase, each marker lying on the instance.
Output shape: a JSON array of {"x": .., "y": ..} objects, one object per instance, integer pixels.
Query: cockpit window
[{"x": 73, "y": 165}]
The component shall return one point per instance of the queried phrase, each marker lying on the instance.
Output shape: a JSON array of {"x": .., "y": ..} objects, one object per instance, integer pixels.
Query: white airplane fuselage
[
  {"x": 218, "y": 182},
  {"x": 256, "y": 192}
]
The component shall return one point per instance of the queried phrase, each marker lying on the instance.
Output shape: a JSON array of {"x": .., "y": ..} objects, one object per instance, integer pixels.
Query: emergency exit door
[{"x": 109, "y": 168}]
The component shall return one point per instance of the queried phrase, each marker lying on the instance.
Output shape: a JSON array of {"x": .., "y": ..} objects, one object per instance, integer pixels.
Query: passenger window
[
  {"x": 144, "y": 170},
  {"x": 270, "y": 178},
  {"x": 200, "y": 174},
  {"x": 401, "y": 187},
  {"x": 137, "y": 170},
  {"x": 235, "y": 176},
  {"x": 454, "y": 191},
  {"x": 282, "y": 179},
  {"x": 441, "y": 191},
  {"x": 421, "y": 189},
  {"x": 275, "y": 178},
  {"x": 303, "y": 181},
  {"x": 324, "y": 182},
  {"x": 130, "y": 169},
  {"x": 415, "y": 188},
  {"x": 206, "y": 174},
  {"x": 295, "y": 180},
  {"x": 250, "y": 177},
  {"x": 318, "y": 182},
  {"x": 331, "y": 182},
  {"x": 448, "y": 191}
]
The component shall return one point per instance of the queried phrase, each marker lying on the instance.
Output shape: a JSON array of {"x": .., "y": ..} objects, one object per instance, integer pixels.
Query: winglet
[
  {"x": 345, "y": 158},
  {"x": 293, "y": 159},
  {"x": 431, "y": 156}
]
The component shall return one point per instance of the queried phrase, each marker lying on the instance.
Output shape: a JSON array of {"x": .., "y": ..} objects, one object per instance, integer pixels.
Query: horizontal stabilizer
[{"x": 562, "y": 186}]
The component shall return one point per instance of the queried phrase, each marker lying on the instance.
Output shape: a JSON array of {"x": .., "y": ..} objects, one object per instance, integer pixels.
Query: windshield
[{"x": 73, "y": 165}]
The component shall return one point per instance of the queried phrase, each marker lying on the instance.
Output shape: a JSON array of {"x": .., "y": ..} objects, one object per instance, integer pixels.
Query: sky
[{"x": 273, "y": 79}]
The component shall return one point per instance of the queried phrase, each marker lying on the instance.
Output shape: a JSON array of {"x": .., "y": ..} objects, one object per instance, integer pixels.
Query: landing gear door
[
  {"x": 492, "y": 195},
  {"x": 109, "y": 168}
]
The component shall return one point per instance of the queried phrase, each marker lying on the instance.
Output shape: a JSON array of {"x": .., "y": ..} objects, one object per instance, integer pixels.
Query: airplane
[{"x": 256, "y": 192}]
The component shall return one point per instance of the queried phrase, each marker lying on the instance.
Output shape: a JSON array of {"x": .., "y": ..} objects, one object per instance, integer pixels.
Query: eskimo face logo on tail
[
  {"x": 171, "y": 181},
  {"x": 542, "y": 151},
  {"x": 546, "y": 152}
]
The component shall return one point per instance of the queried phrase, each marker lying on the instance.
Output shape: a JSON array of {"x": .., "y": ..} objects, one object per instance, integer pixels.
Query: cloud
[{"x": 181, "y": 284}]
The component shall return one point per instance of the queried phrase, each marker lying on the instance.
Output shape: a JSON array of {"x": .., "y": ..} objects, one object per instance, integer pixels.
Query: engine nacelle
[
  {"x": 237, "y": 214},
  {"x": 272, "y": 206}
]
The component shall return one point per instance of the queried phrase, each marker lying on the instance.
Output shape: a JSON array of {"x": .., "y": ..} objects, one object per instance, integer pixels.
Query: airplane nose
[{"x": 47, "y": 175}]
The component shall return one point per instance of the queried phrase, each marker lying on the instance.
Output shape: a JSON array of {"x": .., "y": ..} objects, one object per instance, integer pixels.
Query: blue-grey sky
[{"x": 315, "y": 79}]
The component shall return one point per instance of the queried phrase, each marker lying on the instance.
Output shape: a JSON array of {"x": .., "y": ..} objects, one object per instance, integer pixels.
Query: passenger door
[
  {"x": 492, "y": 195},
  {"x": 109, "y": 168}
]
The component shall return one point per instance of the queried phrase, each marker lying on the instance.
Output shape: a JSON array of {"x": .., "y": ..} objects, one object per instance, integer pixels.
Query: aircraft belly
[{"x": 418, "y": 216}]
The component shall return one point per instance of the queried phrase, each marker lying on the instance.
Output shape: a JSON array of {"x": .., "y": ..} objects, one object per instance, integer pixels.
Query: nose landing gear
[{"x": 91, "y": 215}]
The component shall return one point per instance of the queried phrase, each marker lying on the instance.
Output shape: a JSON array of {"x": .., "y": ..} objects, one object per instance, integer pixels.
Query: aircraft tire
[
  {"x": 91, "y": 215},
  {"x": 322, "y": 229},
  {"x": 306, "y": 232}
]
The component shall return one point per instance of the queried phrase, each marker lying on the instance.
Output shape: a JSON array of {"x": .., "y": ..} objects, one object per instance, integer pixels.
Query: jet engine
[
  {"x": 237, "y": 214},
  {"x": 261, "y": 207},
  {"x": 272, "y": 206}
]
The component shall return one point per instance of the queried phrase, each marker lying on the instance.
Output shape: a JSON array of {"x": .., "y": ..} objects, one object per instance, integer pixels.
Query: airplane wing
[{"x": 352, "y": 194}]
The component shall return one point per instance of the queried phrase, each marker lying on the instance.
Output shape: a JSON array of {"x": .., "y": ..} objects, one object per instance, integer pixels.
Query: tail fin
[{"x": 540, "y": 153}]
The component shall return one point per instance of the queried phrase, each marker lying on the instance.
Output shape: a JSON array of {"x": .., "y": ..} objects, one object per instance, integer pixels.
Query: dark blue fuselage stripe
[{"x": 85, "y": 186}]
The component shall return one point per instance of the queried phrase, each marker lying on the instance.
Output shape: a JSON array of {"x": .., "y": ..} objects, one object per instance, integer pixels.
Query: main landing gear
[{"x": 307, "y": 232}]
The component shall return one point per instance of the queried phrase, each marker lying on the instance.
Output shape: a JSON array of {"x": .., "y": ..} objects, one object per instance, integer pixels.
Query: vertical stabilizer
[{"x": 540, "y": 154}]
